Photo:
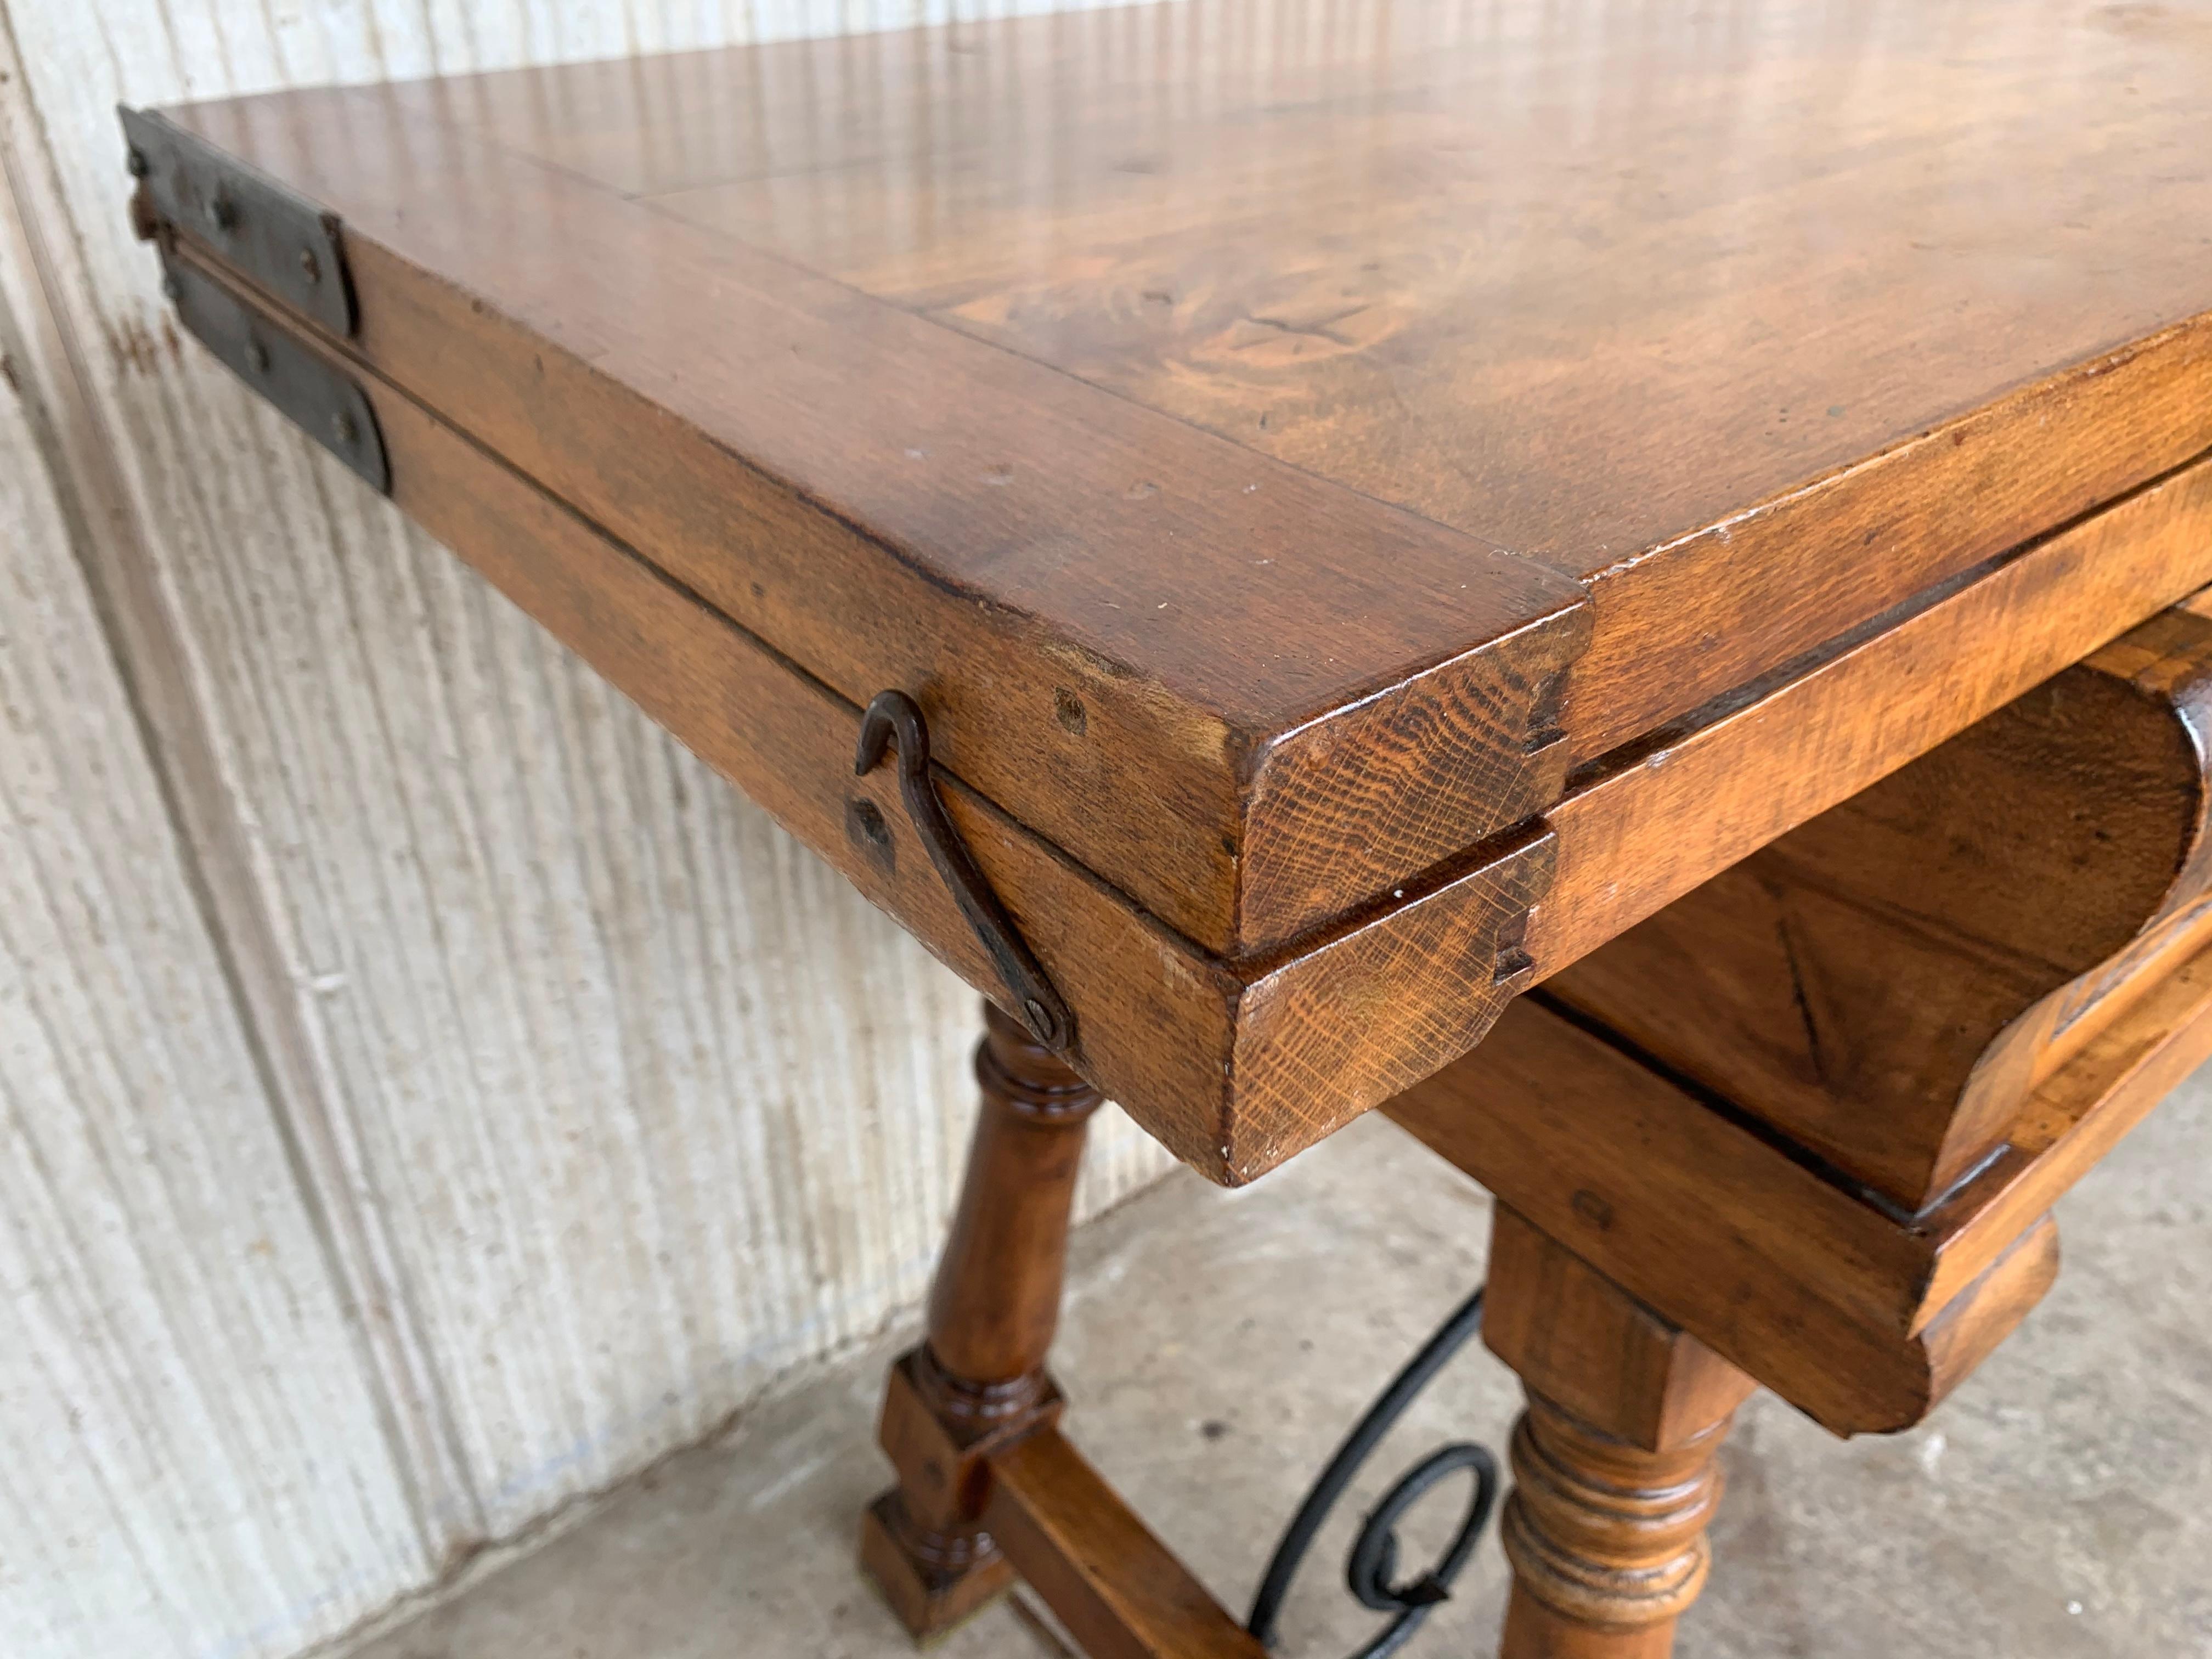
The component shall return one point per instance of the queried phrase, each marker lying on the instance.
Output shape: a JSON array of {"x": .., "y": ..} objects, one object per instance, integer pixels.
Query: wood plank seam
[
  {"x": 1634, "y": 750},
  {"x": 1726, "y": 1110}
]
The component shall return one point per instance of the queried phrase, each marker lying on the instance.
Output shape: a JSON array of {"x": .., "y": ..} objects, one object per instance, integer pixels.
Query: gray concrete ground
[{"x": 1217, "y": 1344}]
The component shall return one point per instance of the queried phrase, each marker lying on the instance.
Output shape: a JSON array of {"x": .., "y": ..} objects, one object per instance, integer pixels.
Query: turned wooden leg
[
  {"x": 1613, "y": 1469},
  {"x": 978, "y": 1383}
]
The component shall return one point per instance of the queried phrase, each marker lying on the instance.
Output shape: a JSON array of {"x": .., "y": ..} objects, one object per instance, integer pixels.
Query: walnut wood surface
[
  {"x": 1589, "y": 294},
  {"x": 1817, "y": 1110},
  {"x": 1233, "y": 1066},
  {"x": 1115, "y": 1587},
  {"x": 1549, "y": 286},
  {"x": 977, "y": 1384},
  {"x": 1874, "y": 984},
  {"x": 1823, "y": 1297},
  {"x": 1218, "y": 430},
  {"x": 1247, "y": 695}
]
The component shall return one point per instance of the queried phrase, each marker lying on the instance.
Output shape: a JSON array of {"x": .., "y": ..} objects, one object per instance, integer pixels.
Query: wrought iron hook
[{"x": 892, "y": 718}]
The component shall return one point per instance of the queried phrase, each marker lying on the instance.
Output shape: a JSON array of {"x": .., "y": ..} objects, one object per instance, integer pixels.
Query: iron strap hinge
[
  {"x": 324, "y": 401},
  {"x": 270, "y": 235}
]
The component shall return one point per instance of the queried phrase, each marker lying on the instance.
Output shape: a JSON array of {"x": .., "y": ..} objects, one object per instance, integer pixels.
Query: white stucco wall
[{"x": 426, "y": 1093}]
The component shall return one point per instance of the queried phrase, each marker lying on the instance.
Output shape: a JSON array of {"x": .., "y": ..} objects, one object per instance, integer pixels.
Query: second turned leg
[
  {"x": 978, "y": 1382},
  {"x": 1613, "y": 1461}
]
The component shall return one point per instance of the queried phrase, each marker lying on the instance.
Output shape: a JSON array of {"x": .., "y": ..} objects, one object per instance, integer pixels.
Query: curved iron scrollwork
[{"x": 1372, "y": 1567}]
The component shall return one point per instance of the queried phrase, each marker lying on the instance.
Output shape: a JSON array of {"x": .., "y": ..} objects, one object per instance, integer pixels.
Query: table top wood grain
[{"x": 1304, "y": 459}]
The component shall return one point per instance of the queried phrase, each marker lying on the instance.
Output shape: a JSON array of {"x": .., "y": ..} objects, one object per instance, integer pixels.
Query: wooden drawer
[{"x": 1816, "y": 1110}]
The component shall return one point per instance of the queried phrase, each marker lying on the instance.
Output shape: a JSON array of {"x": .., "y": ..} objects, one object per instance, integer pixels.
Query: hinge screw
[
  {"x": 223, "y": 212},
  {"x": 258, "y": 354},
  {"x": 136, "y": 161},
  {"x": 308, "y": 267},
  {"x": 343, "y": 428}
]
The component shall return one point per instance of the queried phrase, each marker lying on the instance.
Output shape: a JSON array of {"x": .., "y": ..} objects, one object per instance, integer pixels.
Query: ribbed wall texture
[
  {"x": 191, "y": 1448},
  {"x": 429, "y": 1093}
]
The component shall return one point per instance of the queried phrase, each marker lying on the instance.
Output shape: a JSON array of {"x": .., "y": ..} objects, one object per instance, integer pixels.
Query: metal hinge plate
[
  {"x": 274, "y": 237},
  {"x": 327, "y": 404}
]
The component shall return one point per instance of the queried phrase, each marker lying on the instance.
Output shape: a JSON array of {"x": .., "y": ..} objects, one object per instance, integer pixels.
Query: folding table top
[{"x": 1300, "y": 458}]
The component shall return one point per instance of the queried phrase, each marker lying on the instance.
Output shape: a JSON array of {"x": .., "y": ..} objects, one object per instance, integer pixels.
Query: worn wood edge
[
  {"x": 1194, "y": 754},
  {"x": 1435, "y": 970},
  {"x": 2073, "y": 1119},
  {"x": 1988, "y": 1310},
  {"x": 1628, "y": 845},
  {"x": 1929, "y": 507},
  {"x": 1213, "y": 1057},
  {"x": 1076, "y": 1542},
  {"x": 1405, "y": 804},
  {"x": 1818, "y": 1303}
]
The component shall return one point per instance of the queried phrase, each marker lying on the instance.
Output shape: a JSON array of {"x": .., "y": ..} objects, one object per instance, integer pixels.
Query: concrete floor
[{"x": 1217, "y": 1344}]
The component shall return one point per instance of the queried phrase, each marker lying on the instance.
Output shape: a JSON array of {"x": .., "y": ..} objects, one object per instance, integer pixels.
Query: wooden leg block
[
  {"x": 1613, "y": 1463},
  {"x": 1533, "y": 1630},
  {"x": 978, "y": 1385},
  {"x": 931, "y": 1580}
]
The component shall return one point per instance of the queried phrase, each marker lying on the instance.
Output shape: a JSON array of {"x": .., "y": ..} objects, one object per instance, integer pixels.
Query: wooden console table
[{"x": 1617, "y": 588}]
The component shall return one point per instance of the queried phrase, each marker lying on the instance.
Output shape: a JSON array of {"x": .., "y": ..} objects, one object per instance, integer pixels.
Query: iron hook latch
[{"x": 892, "y": 718}]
